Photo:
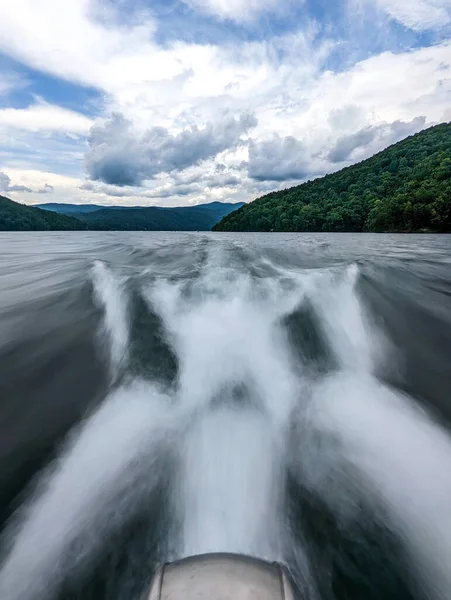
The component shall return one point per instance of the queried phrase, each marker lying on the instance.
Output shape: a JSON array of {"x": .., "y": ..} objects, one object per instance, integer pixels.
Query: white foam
[
  {"x": 225, "y": 329},
  {"x": 231, "y": 485},
  {"x": 111, "y": 297},
  {"x": 406, "y": 456},
  {"x": 345, "y": 323},
  {"x": 227, "y": 340},
  {"x": 394, "y": 445},
  {"x": 79, "y": 502},
  {"x": 225, "y": 336}
]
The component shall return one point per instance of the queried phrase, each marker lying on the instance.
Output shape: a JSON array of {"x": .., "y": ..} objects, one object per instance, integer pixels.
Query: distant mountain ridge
[
  {"x": 54, "y": 216},
  {"x": 201, "y": 217},
  {"x": 404, "y": 188},
  {"x": 69, "y": 209}
]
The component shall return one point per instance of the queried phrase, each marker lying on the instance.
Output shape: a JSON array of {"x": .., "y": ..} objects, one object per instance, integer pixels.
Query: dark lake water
[{"x": 285, "y": 396}]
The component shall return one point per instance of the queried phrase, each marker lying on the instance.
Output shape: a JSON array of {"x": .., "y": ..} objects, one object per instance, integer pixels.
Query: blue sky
[{"x": 172, "y": 102}]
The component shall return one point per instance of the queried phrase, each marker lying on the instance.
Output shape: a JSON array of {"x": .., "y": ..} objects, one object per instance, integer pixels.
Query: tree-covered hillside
[
  {"x": 187, "y": 218},
  {"x": 17, "y": 217},
  {"x": 405, "y": 188}
]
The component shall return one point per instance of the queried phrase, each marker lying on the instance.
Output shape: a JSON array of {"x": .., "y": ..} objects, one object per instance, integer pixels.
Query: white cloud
[
  {"x": 418, "y": 15},
  {"x": 31, "y": 186},
  {"x": 381, "y": 89},
  {"x": 72, "y": 41},
  {"x": 7, "y": 187},
  {"x": 241, "y": 11},
  {"x": 11, "y": 81},
  {"x": 140, "y": 78},
  {"x": 45, "y": 117},
  {"x": 37, "y": 179},
  {"x": 70, "y": 190},
  {"x": 184, "y": 85}
]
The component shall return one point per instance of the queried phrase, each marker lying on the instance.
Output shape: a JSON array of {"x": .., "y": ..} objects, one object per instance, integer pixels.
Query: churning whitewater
[{"x": 248, "y": 404}]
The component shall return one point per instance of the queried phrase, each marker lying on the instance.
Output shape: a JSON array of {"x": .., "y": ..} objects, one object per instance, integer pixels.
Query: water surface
[{"x": 280, "y": 395}]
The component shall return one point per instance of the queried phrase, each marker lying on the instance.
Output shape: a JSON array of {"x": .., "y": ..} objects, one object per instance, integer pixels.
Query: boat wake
[{"x": 276, "y": 418}]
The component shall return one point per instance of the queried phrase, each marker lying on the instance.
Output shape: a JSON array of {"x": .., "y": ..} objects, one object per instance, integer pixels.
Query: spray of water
[
  {"x": 229, "y": 418},
  {"x": 237, "y": 384},
  {"x": 230, "y": 486},
  {"x": 112, "y": 299},
  {"x": 406, "y": 458},
  {"x": 88, "y": 493},
  {"x": 401, "y": 454}
]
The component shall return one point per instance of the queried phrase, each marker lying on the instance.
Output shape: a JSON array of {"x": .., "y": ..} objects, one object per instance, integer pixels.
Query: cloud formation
[
  {"x": 119, "y": 155},
  {"x": 45, "y": 117},
  {"x": 327, "y": 81},
  {"x": 241, "y": 11},
  {"x": 277, "y": 159},
  {"x": 386, "y": 134},
  {"x": 418, "y": 15},
  {"x": 107, "y": 189},
  {"x": 6, "y": 187},
  {"x": 47, "y": 189}
]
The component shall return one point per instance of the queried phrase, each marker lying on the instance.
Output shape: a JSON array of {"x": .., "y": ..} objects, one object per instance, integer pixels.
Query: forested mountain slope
[
  {"x": 18, "y": 217},
  {"x": 405, "y": 188}
]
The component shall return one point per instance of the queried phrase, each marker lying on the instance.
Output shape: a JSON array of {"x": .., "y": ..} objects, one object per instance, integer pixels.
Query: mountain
[
  {"x": 70, "y": 209},
  {"x": 120, "y": 218},
  {"x": 405, "y": 188},
  {"x": 17, "y": 217}
]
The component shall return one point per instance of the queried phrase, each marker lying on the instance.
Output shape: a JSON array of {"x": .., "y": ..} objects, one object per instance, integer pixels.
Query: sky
[{"x": 182, "y": 102}]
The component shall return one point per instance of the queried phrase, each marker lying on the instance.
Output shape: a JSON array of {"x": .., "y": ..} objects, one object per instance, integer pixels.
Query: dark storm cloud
[
  {"x": 387, "y": 134},
  {"x": 278, "y": 159},
  {"x": 227, "y": 180},
  {"x": 348, "y": 143},
  {"x": 5, "y": 186},
  {"x": 119, "y": 156}
]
